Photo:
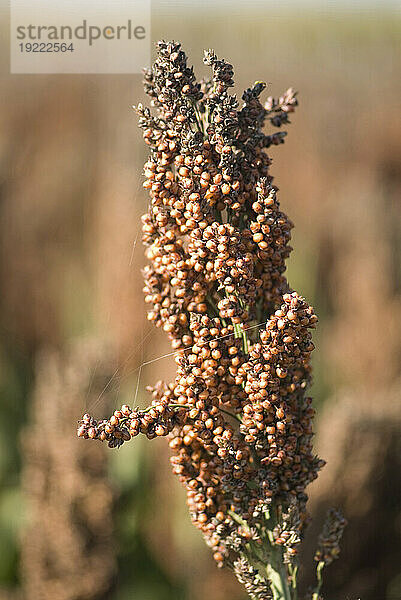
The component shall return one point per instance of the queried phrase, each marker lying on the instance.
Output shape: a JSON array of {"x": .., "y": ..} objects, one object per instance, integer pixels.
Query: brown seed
[
  {"x": 92, "y": 432},
  {"x": 282, "y": 373},
  {"x": 81, "y": 432}
]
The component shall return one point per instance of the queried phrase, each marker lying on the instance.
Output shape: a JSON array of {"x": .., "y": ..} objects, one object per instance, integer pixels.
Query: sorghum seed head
[{"x": 239, "y": 423}]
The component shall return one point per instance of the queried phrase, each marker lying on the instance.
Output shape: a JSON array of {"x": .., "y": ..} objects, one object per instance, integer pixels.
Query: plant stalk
[
  {"x": 319, "y": 570},
  {"x": 277, "y": 575}
]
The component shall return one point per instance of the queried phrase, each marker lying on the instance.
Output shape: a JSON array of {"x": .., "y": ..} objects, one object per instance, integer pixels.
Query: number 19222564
[{"x": 46, "y": 47}]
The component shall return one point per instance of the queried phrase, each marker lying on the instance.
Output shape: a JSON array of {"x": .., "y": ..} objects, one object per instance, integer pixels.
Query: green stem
[
  {"x": 277, "y": 575},
  {"x": 293, "y": 570},
  {"x": 237, "y": 518},
  {"x": 319, "y": 575},
  {"x": 277, "y": 571},
  {"x": 245, "y": 342}
]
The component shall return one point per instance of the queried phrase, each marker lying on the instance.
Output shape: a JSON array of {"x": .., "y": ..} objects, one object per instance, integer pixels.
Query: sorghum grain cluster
[
  {"x": 329, "y": 540},
  {"x": 237, "y": 414}
]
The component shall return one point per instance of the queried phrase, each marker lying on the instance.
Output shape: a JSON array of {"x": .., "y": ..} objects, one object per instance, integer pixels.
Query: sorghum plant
[
  {"x": 237, "y": 413},
  {"x": 67, "y": 544}
]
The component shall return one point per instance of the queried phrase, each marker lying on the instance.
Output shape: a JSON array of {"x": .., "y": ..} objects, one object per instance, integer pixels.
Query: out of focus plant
[
  {"x": 237, "y": 413},
  {"x": 67, "y": 549}
]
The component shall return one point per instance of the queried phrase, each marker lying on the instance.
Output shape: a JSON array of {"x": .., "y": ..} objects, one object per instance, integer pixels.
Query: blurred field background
[{"x": 80, "y": 522}]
